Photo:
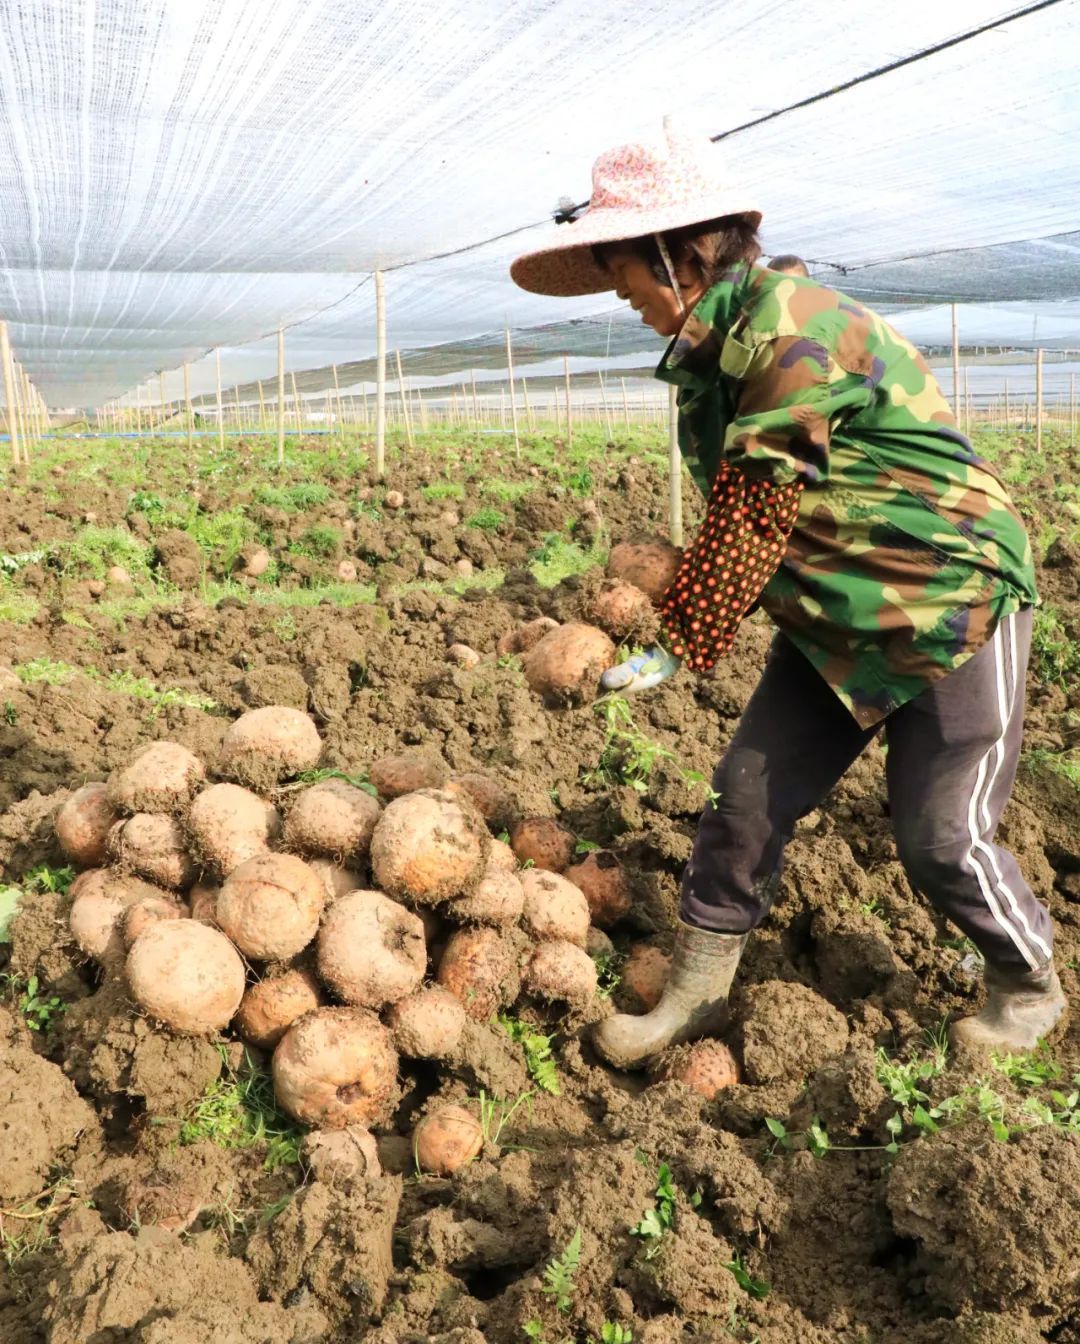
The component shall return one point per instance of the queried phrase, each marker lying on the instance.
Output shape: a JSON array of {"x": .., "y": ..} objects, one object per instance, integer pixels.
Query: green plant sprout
[
  {"x": 317, "y": 776},
  {"x": 657, "y": 1221},
  {"x": 758, "y": 1289},
  {"x": 558, "y": 1277},
  {"x": 608, "y": 972},
  {"x": 496, "y": 1114},
  {"x": 239, "y": 1111},
  {"x": 539, "y": 1060},
  {"x": 39, "y": 1011}
]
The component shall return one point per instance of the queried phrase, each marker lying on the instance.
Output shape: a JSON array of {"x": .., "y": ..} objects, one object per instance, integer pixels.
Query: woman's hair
[{"x": 712, "y": 247}]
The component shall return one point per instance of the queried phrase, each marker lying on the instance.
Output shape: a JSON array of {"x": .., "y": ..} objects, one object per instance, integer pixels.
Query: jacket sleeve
[
  {"x": 738, "y": 549},
  {"x": 793, "y": 395}
]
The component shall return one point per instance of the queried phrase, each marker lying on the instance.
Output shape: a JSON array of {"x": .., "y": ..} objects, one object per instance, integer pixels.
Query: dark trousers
[{"x": 950, "y": 766}]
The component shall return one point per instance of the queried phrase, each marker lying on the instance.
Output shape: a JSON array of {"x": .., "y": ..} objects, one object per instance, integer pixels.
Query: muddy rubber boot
[
  {"x": 693, "y": 1004},
  {"x": 1021, "y": 1007}
]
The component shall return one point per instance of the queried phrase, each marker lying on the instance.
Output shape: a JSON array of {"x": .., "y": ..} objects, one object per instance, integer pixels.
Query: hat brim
[{"x": 564, "y": 265}]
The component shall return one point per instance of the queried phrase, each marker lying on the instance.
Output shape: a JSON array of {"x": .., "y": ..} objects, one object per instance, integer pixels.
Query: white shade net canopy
[{"x": 177, "y": 175}]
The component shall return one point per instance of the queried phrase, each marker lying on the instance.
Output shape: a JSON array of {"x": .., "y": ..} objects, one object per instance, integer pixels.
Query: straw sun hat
[{"x": 636, "y": 190}]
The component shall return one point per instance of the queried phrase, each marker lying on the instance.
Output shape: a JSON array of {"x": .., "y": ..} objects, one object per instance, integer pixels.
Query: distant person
[
  {"x": 789, "y": 264},
  {"x": 843, "y": 498}
]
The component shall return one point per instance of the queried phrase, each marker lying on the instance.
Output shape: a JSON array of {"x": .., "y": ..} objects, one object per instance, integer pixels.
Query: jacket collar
[{"x": 693, "y": 357}]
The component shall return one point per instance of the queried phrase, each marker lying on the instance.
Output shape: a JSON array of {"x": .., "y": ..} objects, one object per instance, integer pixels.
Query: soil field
[{"x": 860, "y": 1185}]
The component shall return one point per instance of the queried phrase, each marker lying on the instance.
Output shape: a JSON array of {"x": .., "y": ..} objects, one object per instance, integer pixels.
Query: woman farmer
[{"x": 844, "y": 501}]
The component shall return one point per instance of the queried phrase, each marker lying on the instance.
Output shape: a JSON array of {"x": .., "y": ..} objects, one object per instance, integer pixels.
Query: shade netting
[{"x": 177, "y": 175}]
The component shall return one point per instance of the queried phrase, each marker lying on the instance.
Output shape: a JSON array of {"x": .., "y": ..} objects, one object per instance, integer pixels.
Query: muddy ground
[{"x": 960, "y": 1237}]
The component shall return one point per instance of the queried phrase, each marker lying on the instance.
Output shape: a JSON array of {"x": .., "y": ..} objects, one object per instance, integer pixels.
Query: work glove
[{"x": 641, "y": 672}]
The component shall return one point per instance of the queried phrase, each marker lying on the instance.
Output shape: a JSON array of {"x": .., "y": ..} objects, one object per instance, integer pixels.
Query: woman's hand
[{"x": 641, "y": 672}]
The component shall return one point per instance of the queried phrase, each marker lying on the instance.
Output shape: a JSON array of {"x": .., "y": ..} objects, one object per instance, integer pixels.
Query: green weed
[
  {"x": 293, "y": 498},
  {"x": 319, "y": 542},
  {"x": 40, "y": 1011},
  {"x": 496, "y": 1114},
  {"x": 486, "y": 519},
  {"x": 96, "y": 549},
  {"x": 49, "y": 670},
  {"x": 1061, "y": 763},
  {"x": 317, "y": 776},
  {"x": 539, "y": 1060},
  {"x": 558, "y": 1276},
  {"x": 239, "y": 1111},
  {"x": 656, "y": 1222},
  {"x": 508, "y": 492},
  {"x": 127, "y": 683},
  {"x": 1055, "y": 657},
  {"x": 608, "y": 972},
  {"x": 557, "y": 558},
  {"x": 1037, "y": 1069},
  {"x": 443, "y": 490},
  {"x": 758, "y": 1289},
  {"x": 221, "y": 537}
]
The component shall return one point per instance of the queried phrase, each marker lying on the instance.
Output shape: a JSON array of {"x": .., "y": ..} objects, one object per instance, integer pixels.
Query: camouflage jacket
[{"x": 907, "y": 551}]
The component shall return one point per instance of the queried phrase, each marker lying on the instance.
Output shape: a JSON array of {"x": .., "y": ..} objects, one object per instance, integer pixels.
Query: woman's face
[{"x": 657, "y": 304}]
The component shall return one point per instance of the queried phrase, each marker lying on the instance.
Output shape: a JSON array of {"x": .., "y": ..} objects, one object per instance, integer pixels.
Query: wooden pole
[
  {"x": 674, "y": 469},
  {"x": 1008, "y": 417},
  {"x": 161, "y": 395},
  {"x": 239, "y": 412},
  {"x": 262, "y": 407},
  {"x": 190, "y": 414},
  {"x": 298, "y": 413},
  {"x": 1038, "y": 400},
  {"x": 475, "y": 400},
  {"x": 955, "y": 366},
  {"x": 607, "y": 409},
  {"x": 380, "y": 374},
  {"x": 404, "y": 401},
  {"x": 9, "y": 393},
  {"x": 220, "y": 405},
  {"x": 625, "y": 405},
  {"x": 339, "y": 423},
  {"x": 1072, "y": 407},
  {"x": 513, "y": 396},
  {"x": 967, "y": 401},
  {"x": 528, "y": 408},
  {"x": 281, "y": 396},
  {"x": 26, "y": 401},
  {"x": 569, "y": 411}
]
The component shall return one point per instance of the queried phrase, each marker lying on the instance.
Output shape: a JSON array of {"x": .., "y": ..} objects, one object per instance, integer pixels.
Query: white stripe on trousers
[{"x": 987, "y": 872}]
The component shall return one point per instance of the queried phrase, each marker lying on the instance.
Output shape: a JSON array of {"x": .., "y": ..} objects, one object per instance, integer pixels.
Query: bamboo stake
[
  {"x": 29, "y": 428},
  {"x": 9, "y": 393},
  {"x": 513, "y": 397},
  {"x": 380, "y": 374},
  {"x": 220, "y": 406},
  {"x": 239, "y": 412},
  {"x": 528, "y": 408},
  {"x": 161, "y": 394},
  {"x": 190, "y": 415},
  {"x": 569, "y": 411},
  {"x": 281, "y": 396},
  {"x": 339, "y": 423},
  {"x": 1038, "y": 400},
  {"x": 607, "y": 410},
  {"x": 262, "y": 407},
  {"x": 475, "y": 401},
  {"x": 1072, "y": 407},
  {"x": 674, "y": 469},
  {"x": 955, "y": 367},
  {"x": 1008, "y": 417},
  {"x": 967, "y": 401},
  {"x": 625, "y": 405},
  {"x": 404, "y": 402},
  {"x": 298, "y": 413}
]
